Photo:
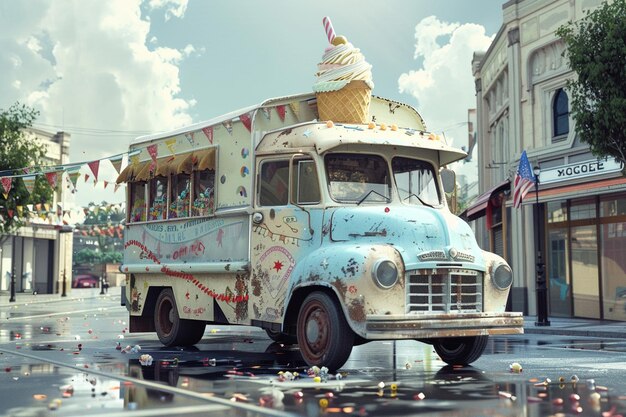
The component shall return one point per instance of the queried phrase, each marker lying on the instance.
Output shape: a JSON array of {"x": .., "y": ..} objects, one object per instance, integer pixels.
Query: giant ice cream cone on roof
[{"x": 344, "y": 82}]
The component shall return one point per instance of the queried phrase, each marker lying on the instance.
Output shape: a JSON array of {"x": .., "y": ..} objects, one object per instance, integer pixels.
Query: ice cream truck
[{"x": 326, "y": 234}]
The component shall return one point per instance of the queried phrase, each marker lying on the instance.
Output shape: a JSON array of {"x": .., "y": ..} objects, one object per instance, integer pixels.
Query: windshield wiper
[
  {"x": 358, "y": 203},
  {"x": 419, "y": 199}
]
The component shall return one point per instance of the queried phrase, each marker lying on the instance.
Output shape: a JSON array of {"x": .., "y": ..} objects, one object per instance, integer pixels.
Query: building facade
[
  {"x": 579, "y": 222},
  {"x": 40, "y": 252}
]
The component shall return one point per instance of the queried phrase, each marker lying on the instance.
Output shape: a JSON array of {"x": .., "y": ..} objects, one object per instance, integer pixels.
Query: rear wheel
[
  {"x": 170, "y": 328},
  {"x": 324, "y": 336},
  {"x": 460, "y": 350}
]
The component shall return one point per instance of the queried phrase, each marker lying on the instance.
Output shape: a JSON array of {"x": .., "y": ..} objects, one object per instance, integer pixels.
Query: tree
[
  {"x": 596, "y": 49},
  {"x": 18, "y": 151}
]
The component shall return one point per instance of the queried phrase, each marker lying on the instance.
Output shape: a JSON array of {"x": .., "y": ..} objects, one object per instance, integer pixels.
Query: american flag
[{"x": 524, "y": 180}]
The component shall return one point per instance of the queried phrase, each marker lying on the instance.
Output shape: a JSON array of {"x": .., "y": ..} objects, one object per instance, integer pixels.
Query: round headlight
[
  {"x": 502, "y": 277},
  {"x": 385, "y": 273}
]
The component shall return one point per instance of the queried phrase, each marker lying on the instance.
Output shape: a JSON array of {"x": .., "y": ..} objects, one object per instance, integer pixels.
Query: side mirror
[{"x": 448, "y": 178}]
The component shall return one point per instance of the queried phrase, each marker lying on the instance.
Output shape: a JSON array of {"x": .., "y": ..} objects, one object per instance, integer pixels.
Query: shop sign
[{"x": 579, "y": 170}]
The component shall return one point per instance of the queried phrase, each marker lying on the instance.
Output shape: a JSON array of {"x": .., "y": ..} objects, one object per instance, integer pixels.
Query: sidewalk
[
  {"x": 577, "y": 327},
  {"x": 73, "y": 294},
  {"x": 558, "y": 326}
]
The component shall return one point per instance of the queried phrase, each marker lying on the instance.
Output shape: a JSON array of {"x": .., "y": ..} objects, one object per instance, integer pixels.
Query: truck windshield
[
  {"x": 357, "y": 178},
  {"x": 416, "y": 181}
]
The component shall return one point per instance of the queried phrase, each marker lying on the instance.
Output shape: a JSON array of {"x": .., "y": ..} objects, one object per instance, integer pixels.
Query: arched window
[{"x": 560, "y": 113}]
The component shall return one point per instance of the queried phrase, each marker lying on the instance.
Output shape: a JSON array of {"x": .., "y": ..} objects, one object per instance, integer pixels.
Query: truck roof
[{"x": 382, "y": 109}]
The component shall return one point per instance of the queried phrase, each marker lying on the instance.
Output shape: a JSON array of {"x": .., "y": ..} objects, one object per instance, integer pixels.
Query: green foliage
[
  {"x": 94, "y": 257},
  {"x": 596, "y": 49},
  {"x": 18, "y": 151}
]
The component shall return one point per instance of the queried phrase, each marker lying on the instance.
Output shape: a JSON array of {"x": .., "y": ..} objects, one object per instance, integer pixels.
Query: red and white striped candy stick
[{"x": 328, "y": 27}]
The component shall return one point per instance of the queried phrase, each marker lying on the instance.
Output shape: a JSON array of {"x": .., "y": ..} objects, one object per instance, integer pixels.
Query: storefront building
[
  {"x": 523, "y": 104},
  {"x": 39, "y": 254}
]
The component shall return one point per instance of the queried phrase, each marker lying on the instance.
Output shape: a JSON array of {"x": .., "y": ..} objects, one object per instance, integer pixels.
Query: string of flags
[{"x": 54, "y": 173}]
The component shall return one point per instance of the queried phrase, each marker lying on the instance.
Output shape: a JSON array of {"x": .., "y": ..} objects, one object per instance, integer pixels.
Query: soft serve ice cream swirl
[{"x": 341, "y": 64}]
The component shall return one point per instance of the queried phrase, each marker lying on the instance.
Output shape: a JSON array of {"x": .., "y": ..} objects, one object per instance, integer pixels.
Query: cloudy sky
[{"x": 108, "y": 71}]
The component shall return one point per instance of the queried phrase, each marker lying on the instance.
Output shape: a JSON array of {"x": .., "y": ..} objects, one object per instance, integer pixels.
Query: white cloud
[
  {"x": 444, "y": 85},
  {"x": 174, "y": 8},
  {"x": 93, "y": 71}
]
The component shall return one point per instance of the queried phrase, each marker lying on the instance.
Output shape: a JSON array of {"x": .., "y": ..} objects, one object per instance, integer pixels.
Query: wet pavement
[{"x": 73, "y": 356}]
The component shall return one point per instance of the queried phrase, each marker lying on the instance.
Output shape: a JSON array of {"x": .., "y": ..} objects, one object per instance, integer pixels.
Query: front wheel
[
  {"x": 324, "y": 336},
  {"x": 460, "y": 350},
  {"x": 170, "y": 328}
]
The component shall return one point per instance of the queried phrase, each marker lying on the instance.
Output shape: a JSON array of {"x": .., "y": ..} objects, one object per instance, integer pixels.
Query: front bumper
[{"x": 381, "y": 327}]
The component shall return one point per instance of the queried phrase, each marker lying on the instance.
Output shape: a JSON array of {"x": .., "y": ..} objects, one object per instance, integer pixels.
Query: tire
[
  {"x": 170, "y": 328},
  {"x": 280, "y": 337},
  {"x": 324, "y": 336},
  {"x": 460, "y": 350}
]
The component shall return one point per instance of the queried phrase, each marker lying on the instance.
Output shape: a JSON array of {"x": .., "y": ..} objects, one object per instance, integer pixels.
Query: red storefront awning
[{"x": 478, "y": 207}]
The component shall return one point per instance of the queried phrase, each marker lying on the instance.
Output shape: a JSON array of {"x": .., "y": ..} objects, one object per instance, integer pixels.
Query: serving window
[{"x": 158, "y": 198}]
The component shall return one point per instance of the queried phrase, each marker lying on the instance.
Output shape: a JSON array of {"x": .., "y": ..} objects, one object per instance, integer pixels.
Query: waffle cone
[{"x": 351, "y": 104}]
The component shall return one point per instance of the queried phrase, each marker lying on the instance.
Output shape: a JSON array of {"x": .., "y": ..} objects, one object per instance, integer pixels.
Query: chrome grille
[{"x": 444, "y": 291}]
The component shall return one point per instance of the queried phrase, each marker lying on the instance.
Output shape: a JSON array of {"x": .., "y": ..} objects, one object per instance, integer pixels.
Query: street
[{"x": 73, "y": 356}]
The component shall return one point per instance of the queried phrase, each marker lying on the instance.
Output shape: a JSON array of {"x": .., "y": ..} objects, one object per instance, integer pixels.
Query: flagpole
[{"x": 541, "y": 288}]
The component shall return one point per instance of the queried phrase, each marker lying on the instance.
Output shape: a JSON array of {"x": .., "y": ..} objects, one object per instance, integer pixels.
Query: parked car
[{"x": 85, "y": 281}]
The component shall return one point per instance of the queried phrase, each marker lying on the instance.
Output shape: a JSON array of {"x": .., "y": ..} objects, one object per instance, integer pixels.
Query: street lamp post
[{"x": 540, "y": 285}]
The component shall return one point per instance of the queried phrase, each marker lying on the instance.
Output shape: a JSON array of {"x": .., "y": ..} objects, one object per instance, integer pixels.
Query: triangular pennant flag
[
  {"x": 295, "y": 108},
  {"x": 5, "y": 195},
  {"x": 229, "y": 126},
  {"x": 95, "y": 166},
  {"x": 38, "y": 207},
  {"x": 208, "y": 132},
  {"x": 116, "y": 161},
  {"x": 106, "y": 183},
  {"x": 73, "y": 174},
  {"x": 280, "y": 109},
  {"x": 247, "y": 121},
  {"x": 52, "y": 178},
  {"x": 26, "y": 170},
  {"x": 170, "y": 145},
  {"x": 116, "y": 186},
  {"x": 29, "y": 183},
  {"x": 29, "y": 207},
  {"x": 10, "y": 213},
  {"x": 134, "y": 159},
  {"x": 153, "y": 151},
  {"x": 20, "y": 210},
  {"x": 266, "y": 112},
  {"x": 46, "y": 207},
  {"x": 189, "y": 137},
  {"x": 7, "y": 182},
  {"x": 86, "y": 177}
]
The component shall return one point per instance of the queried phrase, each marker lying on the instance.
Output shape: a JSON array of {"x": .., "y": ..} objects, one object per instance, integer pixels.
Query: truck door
[{"x": 286, "y": 225}]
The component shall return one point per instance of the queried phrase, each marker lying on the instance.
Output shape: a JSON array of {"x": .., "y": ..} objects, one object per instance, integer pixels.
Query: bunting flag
[
  {"x": 73, "y": 174},
  {"x": 52, "y": 178},
  {"x": 7, "y": 183},
  {"x": 116, "y": 186},
  {"x": 208, "y": 132},
  {"x": 134, "y": 159},
  {"x": 20, "y": 211},
  {"x": 247, "y": 121},
  {"x": 106, "y": 183},
  {"x": 116, "y": 161},
  {"x": 295, "y": 108},
  {"x": 26, "y": 170},
  {"x": 94, "y": 166},
  {"x": 86, "y": 177},
  {"x": 229, "y": 126},
  {"x": 29, "y": 207},
  {"x": 267, "y": 113},
  {"x": 46, "y": 207},
  {"x": 154, "y": 152},
  {"x": 190, "y": 139},
  {"x": 280, "y": 109},
  {"x": 10, "y": 213},
  {"x": 38, "y": 207},
  {"x": 170, "y": 145},
  {"x": 29, "y": 183}
]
